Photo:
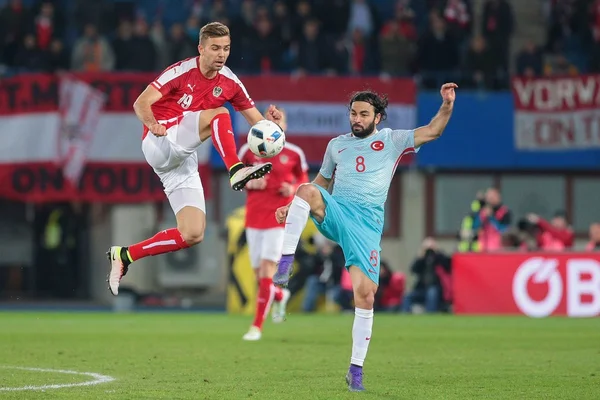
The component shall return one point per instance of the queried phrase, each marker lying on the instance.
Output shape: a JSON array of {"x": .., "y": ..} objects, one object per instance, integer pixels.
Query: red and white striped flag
[{"x": 80, "y": 108}]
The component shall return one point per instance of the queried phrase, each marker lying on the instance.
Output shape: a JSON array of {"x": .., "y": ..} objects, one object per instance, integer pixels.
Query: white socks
[
  {"x": 295, "y": 224},
  {"x": 361, "y": 335}
]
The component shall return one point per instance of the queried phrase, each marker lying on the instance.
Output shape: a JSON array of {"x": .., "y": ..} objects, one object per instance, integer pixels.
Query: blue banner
[{"x": 481, "y": 135}]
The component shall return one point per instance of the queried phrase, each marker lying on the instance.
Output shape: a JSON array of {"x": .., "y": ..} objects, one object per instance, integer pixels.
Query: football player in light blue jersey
[{"x": 364, "y": 162}]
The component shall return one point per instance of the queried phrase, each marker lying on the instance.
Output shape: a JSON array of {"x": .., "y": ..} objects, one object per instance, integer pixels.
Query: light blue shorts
[{"x": 352, "y": 227}]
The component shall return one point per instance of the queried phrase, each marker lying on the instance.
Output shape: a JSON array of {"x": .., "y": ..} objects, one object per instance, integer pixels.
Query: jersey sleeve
[
  {"x": 169, "y": 80},
  {"x": 328, "y": 165},
  {"x": 301, "y": 168},
  {"x": 403, "y": 141},
  {"x": 241, "y": 99}
]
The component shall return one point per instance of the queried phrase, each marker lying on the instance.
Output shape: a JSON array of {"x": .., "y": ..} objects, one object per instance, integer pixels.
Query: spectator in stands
[
  {"x": 396, "y": 50},
  {"x": 432, "y": 270},
  {"x": 468, "y": 239},
  {"x": 334, "y": 16},
  {"x": 457, "y": 14},
  {"x": 559, "y": 65},
  {"x": 92, "y": 52},
  {"x": 180, "y": 46},
  {"x": 555, "y": 235},
  {"x": 58, "y": 58},
  {"x": 282, "y": 21},
  {"x": 326, "y": 273},
  {"x": 594, "y": 243},
  {"x": 303, "y": 14},
  {"x": 266, "y": 48},
  {"x": 529, "y": 60},
  {"x": 438, "y": 54},
  {"x": 362, "y": 18},
  {"x": 123, "y": 46},
  {"x": 158, "y": 38},
  {"x": 498, "y": 26},
  {"x": 313, "y": 52},
  {"x": 491, "y": 221},
  {"x": 391, "y": 289},
  {"x": 480, "y": 65},
  {"x": 143, "y": 54},
  {"x": 14, "y": 18},
  {"x": 47, "y": 24},
  {"x": 29, "y": 57},
  {"x": 99, "y": 13}
]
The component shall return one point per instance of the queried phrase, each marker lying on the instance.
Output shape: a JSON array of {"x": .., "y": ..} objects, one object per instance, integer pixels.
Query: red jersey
[
  {"x": 288, "y": 166},
  {"x": 184, "y": 88}
]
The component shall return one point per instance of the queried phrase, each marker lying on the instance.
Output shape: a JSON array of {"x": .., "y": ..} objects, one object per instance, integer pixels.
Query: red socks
[
  {"x": 224, "y": 140},
  {"x": 263, "y": 301},
  {"x": 163, "y": 242},
  {"x": 278, "y": 293}
]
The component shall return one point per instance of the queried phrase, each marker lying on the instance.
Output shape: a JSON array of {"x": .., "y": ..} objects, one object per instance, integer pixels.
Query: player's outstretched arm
[
  {"x": 253, "y": 116},
  {"x": 143, "y": 109},
  {"x": 434, "y": 129}
]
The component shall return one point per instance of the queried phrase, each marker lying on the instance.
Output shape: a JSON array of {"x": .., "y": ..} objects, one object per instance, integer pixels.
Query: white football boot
[
  {"x": 244, "y": 175},
  {"x": 278, "y": 309}
]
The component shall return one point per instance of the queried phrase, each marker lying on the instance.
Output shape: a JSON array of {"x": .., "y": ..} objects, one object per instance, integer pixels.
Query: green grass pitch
[{"x": 202, "y": 356}]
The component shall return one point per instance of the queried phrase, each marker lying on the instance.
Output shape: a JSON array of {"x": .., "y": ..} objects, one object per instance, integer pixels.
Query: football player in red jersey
[
  {"x": 180, "y": 109},
  {"x": 264, "y": 234}
]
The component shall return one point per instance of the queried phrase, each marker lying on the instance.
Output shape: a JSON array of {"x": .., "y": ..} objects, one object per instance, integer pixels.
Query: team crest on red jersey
[
  {"x": 217, "y": 91},
  {"x": 284, "y": 159},
  {"x": 377, "y": 145}
]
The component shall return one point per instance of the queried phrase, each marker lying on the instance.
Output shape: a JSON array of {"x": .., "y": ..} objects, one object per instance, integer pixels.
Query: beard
[{"x": 361, "y": 132}]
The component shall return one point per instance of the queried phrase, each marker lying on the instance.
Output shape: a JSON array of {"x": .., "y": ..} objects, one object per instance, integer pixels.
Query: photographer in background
[
  {"x": 391, "y": 289},
  {"x": 432, "y": 270},
  {"x": 467, "y": 236},
  {"x": 491, "y": 222},
  {"x": 594, "y": 243},
  {"x": 555, "y": 235}
]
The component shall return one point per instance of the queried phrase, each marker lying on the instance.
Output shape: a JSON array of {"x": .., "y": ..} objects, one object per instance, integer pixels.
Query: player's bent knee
[
  {"x": 208, "y": 115},
  {"x": 308, "y": 192},
  {"x": 192, "y": 236}
]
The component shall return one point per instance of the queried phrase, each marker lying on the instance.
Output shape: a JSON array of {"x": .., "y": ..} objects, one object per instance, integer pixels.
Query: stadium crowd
[{"x": 434, "y": 40}]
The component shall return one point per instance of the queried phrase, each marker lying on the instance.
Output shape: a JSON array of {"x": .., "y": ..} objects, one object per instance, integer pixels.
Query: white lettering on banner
[
  {"x": 330, "y": 119},
  {"x": 578, "y": 285},
  {"x": 557, "y": 131},
  {"x": 542, "y": 271},
  {"x": 557, "y": 114},
  {"x": 558, "y": 94},
  {"x": 118, "y": 138}
]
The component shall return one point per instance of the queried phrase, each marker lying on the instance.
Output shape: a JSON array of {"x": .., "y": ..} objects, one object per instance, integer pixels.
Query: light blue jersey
[{"x": 362, "y": 170}]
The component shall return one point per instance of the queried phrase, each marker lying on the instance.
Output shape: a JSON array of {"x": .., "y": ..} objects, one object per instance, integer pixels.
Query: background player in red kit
[
  {"x": 181, "y": 109},
  {"x": 263, "y": 234}
]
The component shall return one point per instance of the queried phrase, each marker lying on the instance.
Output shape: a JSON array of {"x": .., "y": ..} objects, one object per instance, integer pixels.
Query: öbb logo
[{"x": 582, "y": 276}]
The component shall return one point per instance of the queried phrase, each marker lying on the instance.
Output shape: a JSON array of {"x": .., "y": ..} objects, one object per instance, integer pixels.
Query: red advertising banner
[
  {"x": 102, "y": 182},
  {"x": 533, "y": 284},
  {"x": 557, "y": 113}
]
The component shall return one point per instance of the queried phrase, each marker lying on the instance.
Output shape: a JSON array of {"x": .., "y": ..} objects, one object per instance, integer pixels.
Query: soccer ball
[{"x": 266, "y": 139}]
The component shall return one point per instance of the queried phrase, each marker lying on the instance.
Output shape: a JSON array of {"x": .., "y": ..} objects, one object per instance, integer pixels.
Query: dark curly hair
[{"x": 379, "y": 102}]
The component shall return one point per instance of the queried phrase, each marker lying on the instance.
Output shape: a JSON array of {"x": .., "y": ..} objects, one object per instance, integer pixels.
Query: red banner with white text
[
  {"x": 31, "y": 153},
  {"x": 533, "y": 284},
  {"x": 557, "y": 113}
]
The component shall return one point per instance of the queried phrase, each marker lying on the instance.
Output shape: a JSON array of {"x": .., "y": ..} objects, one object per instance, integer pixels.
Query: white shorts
[
  {"x": 264, "y": 244},
  {"x": 174, "y": 159}
]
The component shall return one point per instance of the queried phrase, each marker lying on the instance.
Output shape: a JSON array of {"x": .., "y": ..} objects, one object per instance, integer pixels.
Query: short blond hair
[{"x": 212, "y": 30}]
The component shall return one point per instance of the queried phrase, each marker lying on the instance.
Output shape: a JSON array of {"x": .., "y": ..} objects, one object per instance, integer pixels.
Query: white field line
[{"x": 97, "y": 379}]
